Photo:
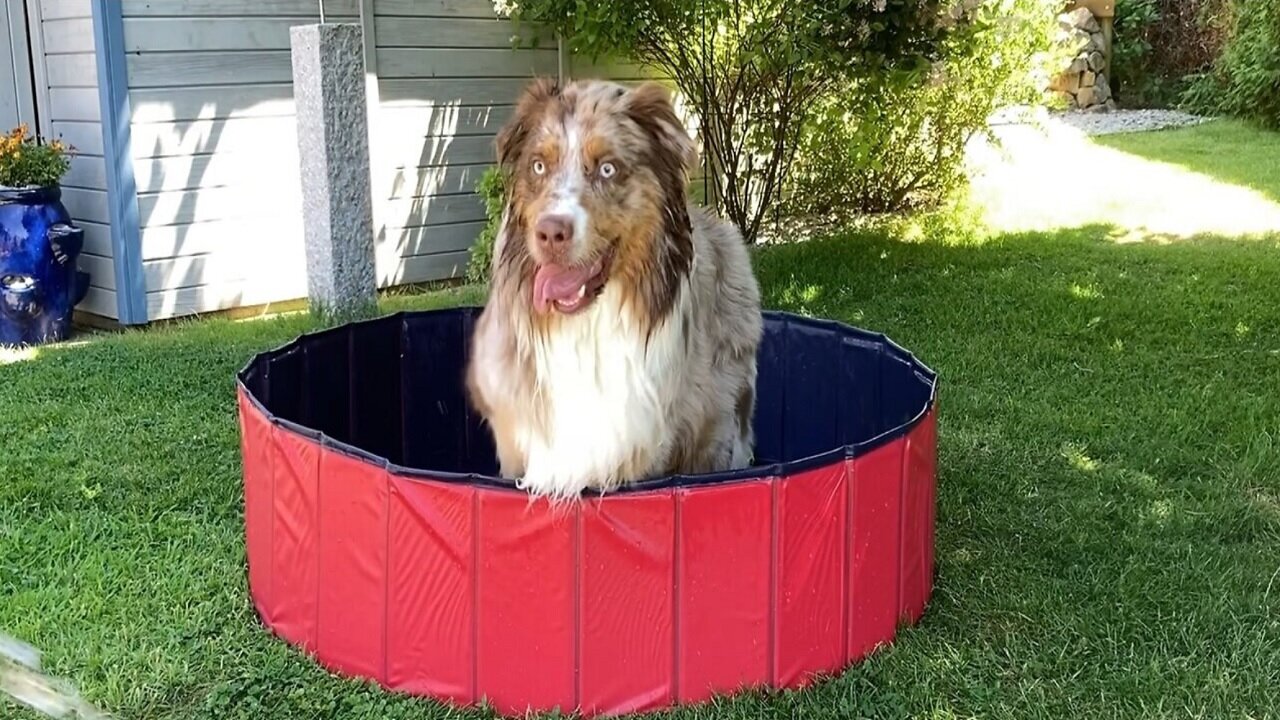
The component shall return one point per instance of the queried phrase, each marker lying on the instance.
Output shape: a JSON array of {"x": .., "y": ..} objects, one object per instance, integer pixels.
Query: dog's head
[{"x": 595, "y": 178}]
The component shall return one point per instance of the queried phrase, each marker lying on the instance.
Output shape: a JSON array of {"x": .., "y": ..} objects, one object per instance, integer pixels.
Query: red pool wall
[{"x": 632, "y": 602}]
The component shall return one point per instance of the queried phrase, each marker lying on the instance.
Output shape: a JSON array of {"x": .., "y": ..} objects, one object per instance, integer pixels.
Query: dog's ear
[
  {"x": 650, "y": 106},
  {"x": 529, "y": 108}
]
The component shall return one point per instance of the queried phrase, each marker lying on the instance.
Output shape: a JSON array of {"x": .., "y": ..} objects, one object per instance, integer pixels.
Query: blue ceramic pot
[{"x": 39, "y": 282}]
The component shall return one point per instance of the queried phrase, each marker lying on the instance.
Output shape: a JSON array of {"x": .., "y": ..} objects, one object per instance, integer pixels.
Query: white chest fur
[{"x": 606, "y": 394}]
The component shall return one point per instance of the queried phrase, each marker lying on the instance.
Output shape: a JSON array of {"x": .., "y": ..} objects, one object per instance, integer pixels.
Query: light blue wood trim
[{"x": 122, "y": 191}]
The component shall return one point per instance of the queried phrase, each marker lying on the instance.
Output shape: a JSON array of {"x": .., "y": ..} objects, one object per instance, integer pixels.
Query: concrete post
[{"x": 333, "y": 148}]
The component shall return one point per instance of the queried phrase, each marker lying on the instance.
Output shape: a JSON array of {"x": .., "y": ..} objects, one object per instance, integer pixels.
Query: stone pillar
[{"x": 333, "y": 149}]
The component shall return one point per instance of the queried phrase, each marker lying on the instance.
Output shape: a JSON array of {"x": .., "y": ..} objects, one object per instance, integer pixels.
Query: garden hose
[{"x": 21, "y": 679}]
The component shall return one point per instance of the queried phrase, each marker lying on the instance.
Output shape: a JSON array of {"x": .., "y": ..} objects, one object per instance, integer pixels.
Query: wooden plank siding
[
  {"x": 448, "y": 78},
  {"x": 63, "y": 49},
  {"x": 215, "y": 154},
  {"x": 303, "y": 10},
  {"x": 51, "y": 10},
  {"x": 439, "y": 9},
  {"x": 500, "y": 62},
  {"x": 72, "y": 70}
]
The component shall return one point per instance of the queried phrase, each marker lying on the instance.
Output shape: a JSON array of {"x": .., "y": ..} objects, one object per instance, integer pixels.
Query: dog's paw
[{"x": 553, "y": 487}]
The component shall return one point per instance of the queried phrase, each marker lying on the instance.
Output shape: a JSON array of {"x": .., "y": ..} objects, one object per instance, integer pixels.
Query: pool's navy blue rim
[{"x": 755, "y": 472}]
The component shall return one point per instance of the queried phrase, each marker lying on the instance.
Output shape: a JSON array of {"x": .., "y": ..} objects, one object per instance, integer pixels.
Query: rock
[
  {"x": 1098, "y": 42},
  {"x": 1087, "y": 78},
  {"x": 1079, "y": 65},
  {"x": 1066, "y": 82},
  {"x": 1108, "y": 119},
  {"x": 1086, "y": 97},
  {"x": 1102, "y": 88},
  {"x": 1096, "y": 61},
  {"x": 1110, "y": 105},
  {"x": 1078, "y": 41},
  {"x": 1082, "y": 18}
]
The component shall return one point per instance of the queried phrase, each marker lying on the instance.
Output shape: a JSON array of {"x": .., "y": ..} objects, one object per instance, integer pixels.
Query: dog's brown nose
[{"x": 554, "y": 232}]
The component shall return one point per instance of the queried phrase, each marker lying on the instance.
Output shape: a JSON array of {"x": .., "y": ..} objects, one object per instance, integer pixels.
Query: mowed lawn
[{"x": 1109, "y": 518}]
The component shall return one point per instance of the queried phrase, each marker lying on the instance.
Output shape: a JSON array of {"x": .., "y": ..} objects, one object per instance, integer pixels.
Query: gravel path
[{"x": 1121, "y": 121}]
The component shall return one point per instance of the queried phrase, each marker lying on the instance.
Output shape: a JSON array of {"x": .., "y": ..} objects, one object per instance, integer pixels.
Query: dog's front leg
[
  {"x": 511, "y": 456},
  {"x": 494, "y": 388}
]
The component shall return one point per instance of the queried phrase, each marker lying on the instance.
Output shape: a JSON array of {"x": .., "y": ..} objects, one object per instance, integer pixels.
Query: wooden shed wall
[
  {"x": 67, "y": 86},
  {"x": 447, "y": 81},
  {"x": 215, "y": 153}
]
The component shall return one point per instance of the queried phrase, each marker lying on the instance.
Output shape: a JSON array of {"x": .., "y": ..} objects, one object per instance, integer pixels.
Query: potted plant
[{"x": 39, "y": 281}]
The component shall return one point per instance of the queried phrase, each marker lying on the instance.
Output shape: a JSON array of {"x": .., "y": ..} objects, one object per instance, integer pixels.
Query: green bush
[
  {"x": 1245, "y": 79},
  {"x": 896, "y": 141},
  {"x": 1133, "y": 76},
  {"x": 1188, "y": 36},
  {"x": 1160, "y": 45},
  {"x": 490, "y": 189},
  {"x": 754, "y": 68}
]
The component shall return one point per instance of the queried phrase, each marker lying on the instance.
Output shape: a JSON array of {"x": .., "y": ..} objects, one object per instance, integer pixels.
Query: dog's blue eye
[
  {"x": 607, "y": 170},
  {"x": 539, "y": 167}
]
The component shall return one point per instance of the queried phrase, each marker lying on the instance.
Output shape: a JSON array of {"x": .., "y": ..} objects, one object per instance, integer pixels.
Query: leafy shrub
[
  {"x": 25, "y": 161},
  {"x": 481, "y": 261},
  {"x": 896, "y": 141},
  {"x": 753, "y": 68},
  {"x": 1133, "y": 76},
  {"x": 1245, "y": 79},
  {"x": 1188, "y": 36},
  {"x": 1159, "y": 44}
]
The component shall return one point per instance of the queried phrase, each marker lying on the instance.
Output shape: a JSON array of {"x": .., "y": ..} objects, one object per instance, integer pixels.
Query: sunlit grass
[
  {"x": 1078, "y": 458},
  {"x": 1230, "y": 151},
  {"x": 1085, "y": 292},
  {"x": 10, "y": 355},
  {"x": 1058, "y": 178}
]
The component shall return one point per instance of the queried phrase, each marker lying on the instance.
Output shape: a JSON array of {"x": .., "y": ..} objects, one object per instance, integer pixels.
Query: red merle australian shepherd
[{"x": 620, "y": 335}]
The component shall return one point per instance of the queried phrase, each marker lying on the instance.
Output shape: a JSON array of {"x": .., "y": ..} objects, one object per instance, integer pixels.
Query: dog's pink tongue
[{"x": 554, "y": 283}]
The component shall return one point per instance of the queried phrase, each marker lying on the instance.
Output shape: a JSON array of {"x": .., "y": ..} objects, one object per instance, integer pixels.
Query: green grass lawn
[{"x": 1109, "y": 499}]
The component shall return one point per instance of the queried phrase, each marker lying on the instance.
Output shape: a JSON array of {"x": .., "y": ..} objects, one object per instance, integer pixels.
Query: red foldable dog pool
[{"x": 380, "y": 541}]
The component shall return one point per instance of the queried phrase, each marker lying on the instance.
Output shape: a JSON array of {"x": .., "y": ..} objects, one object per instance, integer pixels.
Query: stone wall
[{"x": 1084, "y": 85}]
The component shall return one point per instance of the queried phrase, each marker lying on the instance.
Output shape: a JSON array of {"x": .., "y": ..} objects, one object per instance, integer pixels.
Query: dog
[{"x": 618, "y": 342}]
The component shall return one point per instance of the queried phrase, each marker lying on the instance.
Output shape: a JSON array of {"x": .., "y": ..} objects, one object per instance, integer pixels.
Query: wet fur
[{"x": 657, "y": 376}]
